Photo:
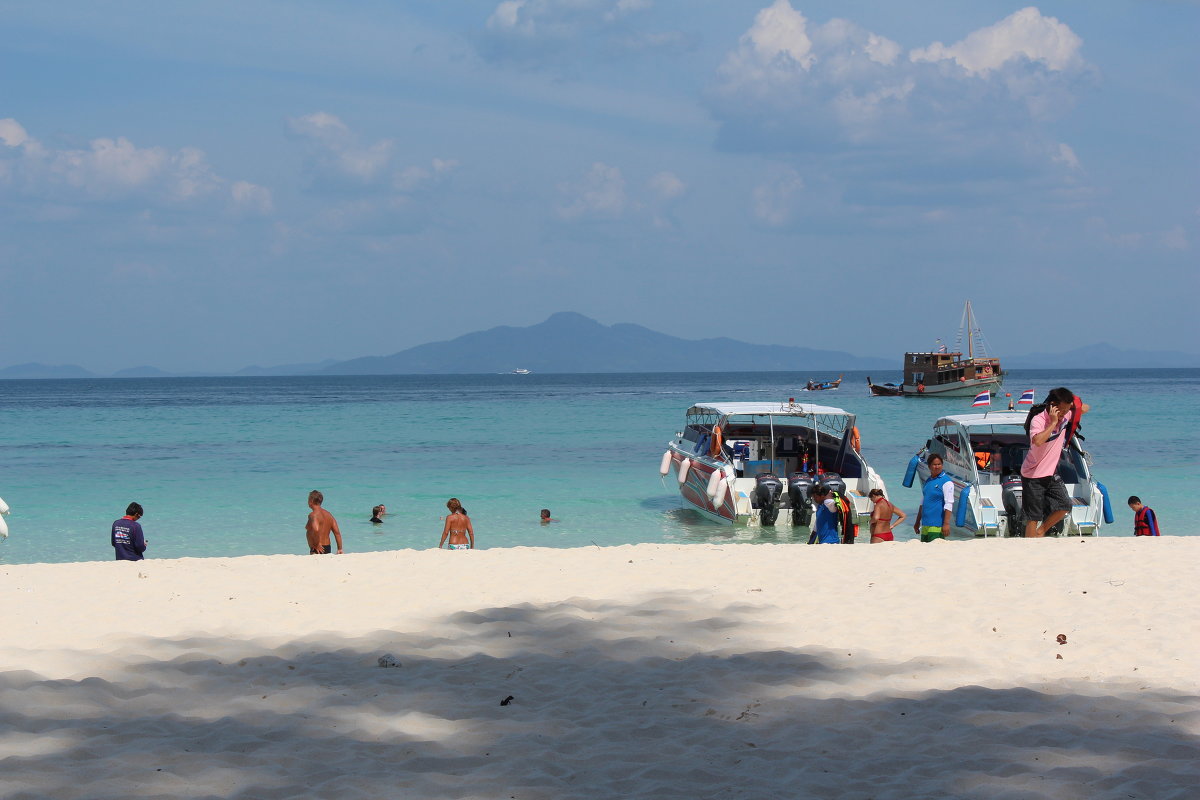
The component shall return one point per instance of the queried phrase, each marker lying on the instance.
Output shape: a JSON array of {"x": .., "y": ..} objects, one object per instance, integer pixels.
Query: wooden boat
[
  {"x": 884, "y": 389},
  {"x": 823, "y": 385},
  {"x": 943, "y": 373}
]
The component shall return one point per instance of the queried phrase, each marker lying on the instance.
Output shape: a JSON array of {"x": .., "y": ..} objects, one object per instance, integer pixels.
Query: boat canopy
[
  {"x": 765, "y": 409},
  {"x": 988, "y": 420}
]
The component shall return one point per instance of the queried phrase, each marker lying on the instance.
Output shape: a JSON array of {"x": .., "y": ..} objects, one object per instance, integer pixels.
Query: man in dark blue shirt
[{"x": 127, "y": 538}]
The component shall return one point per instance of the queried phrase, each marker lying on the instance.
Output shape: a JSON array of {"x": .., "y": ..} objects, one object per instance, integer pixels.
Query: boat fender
[
  {"x": 911, "y": 472},
  {"x": 3, "y": 506},
  {"x": 684, "y": 466},
  {"x": 719, "y": 496},
  {"x": 964, "y": 500},
  {"x": 713, "y": 480},
  {"x": 1108, "y": 515},
  {"x": 665, "y": 466}
]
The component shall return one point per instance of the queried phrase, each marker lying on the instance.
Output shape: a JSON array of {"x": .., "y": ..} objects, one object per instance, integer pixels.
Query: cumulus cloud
[
  {"x": 666, "y": 185},
  {"x": 248, "y": 198},
  {"x": 106, "y": 169},
  {"x": 600, "y": 194},
  {"x": 1024, "y": 34},
  {"x": 791, "y": 85},
  {"x": 774, "y": 201},
  {"x": 336, "y": 154}
]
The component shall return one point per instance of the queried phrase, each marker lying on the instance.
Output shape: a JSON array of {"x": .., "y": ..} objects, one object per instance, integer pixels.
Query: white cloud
[
  {"x": 600, "y": 194},
  {"x": 1024, "y": 34},
  {"x": 1065, "y": 155},
  {"x": 414, "y": 178},
  {"x": 337, "y": 152},
  {"x": 11, "y": 133},
  {"x": 774, "y": 201},
  {"x": 774, "y": 46},
  {"x": 666, "y": 185},
  {"x": 249, "y": 198},
  {"x": 793, "y": 85}
]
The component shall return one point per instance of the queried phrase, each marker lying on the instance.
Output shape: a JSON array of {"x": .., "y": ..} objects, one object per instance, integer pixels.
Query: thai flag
[
  {"x": 1026, "y": 398},
  {"x": 984, "y": 398}
]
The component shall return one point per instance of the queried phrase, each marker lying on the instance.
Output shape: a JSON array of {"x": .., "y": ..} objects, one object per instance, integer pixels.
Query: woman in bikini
[
  {"x": 881, "y": 517},
  {"x": 457, "y": 528}
]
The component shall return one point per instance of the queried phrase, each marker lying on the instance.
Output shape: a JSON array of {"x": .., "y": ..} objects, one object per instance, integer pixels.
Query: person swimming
[
  {"x": 377, "y": 513},
  {"x": 458, "y": 528}
]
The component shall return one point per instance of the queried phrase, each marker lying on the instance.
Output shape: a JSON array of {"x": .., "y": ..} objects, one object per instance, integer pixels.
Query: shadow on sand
[{"x": 649, "y": 699}]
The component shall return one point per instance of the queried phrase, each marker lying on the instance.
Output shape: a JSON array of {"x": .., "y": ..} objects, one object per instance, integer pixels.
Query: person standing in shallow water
[
  {"x": 458, "y": 528},
  {"x": 128, "y": 541},
  {"x": 320, "y": 524}
]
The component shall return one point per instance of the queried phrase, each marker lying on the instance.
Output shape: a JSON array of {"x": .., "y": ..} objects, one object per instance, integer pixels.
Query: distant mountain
[
  {"x": 141, "y": 372},
  {"x": 569, "y": 342},
  {"x": 1103, "y": 356},
  {"x": 288, "y": 369},
  {"x": 33, "y": 370}
]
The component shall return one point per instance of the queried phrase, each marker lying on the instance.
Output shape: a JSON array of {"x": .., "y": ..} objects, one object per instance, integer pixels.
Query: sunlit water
[{"x": 223, "y": 466}]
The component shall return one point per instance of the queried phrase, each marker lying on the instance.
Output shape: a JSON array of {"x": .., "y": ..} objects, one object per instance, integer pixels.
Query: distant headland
[{"x": 568, "y": 342}]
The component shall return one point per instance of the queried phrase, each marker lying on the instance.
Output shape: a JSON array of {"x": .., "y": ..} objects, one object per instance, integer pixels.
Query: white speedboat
[
  {"x": 982, "y": 454},
  {"x": 755, "y": 463},
  {"x": 520, "y": 371}
]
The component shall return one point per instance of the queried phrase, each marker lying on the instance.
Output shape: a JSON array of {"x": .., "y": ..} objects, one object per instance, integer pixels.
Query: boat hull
[{"x": 959, "y": 389}]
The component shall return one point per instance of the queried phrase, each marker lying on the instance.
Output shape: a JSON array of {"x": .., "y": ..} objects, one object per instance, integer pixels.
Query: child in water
[{"x": 881, "y": 517}]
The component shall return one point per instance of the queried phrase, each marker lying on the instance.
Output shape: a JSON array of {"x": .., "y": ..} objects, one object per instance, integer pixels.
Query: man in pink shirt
[{"x": 1044, "y": 500}]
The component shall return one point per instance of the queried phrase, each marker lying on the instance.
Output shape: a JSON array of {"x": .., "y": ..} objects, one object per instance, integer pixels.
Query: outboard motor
[
  {"x": 800, "y": 497},
  {"x": 767, "y": 491},
  {"x": 1012, "y": 494},
  {"x": 834, "y": 482}
]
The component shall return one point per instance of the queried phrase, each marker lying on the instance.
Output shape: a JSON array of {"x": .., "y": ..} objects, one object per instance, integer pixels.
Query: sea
[{"x": 223, "y": 466}]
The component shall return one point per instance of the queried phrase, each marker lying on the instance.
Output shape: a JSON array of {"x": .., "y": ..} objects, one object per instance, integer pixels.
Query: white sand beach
[{"x": 987, "y": 669}]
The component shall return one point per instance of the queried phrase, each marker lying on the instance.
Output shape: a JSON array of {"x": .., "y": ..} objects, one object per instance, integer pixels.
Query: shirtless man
[{"x": 320, "y": 523}]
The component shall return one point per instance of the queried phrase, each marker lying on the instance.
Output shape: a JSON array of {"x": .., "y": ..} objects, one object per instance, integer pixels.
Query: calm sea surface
[{"x": 223, "y": 466}]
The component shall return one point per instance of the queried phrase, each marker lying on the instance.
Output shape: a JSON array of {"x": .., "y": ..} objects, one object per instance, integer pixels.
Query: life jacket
[
  {"x": 845, "y": 518},
  {"x": 932, "y": 510},
  {"x": 1141, "y": 523},
  {"x": 1076, "y": 416},
  {"x": 983, "y": 458}
]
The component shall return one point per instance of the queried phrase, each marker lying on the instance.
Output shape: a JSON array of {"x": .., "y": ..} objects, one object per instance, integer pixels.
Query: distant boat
[
  {"x": 947, "y": 374},
  {"x": 822, "y": 385},
  {"x": 520, "y": 372},
  {"x": 884, "y": 389}
]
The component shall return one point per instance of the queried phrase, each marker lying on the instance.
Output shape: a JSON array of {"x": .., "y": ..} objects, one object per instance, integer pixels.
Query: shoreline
[{"x": 644, "y": 670}]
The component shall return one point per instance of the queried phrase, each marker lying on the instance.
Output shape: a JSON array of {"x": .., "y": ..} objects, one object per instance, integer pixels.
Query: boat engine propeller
[
  {"x": 800, "y": 486},
  {"x": 1013, "y": 507},
  {"x": 767, "y": 491}
]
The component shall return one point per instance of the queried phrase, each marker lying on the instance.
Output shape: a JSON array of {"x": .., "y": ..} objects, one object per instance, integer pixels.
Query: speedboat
[
  {"x": 520, "y": 371},
  {"x": 982, "y": 454},
  {"x": 757, "y": 463}
]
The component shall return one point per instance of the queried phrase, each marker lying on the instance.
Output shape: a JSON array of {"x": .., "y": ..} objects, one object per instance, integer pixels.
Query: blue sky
[{"x": 203, "y": 186}]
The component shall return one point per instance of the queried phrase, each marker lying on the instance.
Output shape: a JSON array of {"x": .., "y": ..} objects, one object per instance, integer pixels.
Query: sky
[{"x": 208, "y": 185}]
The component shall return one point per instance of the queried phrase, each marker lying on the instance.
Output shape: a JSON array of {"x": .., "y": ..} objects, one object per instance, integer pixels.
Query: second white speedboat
[
  {"x": 982, "y": 454},
  {"x": 755, "y": 463}
]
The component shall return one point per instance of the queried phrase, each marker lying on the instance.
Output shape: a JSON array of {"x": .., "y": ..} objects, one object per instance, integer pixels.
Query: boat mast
[{"x": 968, "y": 322}]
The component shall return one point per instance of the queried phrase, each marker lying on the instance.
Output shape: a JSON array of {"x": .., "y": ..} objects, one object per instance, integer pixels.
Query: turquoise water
[{"x": 223, "y": 466}]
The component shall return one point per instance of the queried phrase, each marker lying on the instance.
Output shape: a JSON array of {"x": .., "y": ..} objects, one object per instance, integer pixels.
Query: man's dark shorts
[
  {"x": 323, "y": 551},
  {"x": 1041, "y": 497}
]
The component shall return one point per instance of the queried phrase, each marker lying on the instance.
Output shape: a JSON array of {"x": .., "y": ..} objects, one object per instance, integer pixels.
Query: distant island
[{"x": 568, "y": 342}]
